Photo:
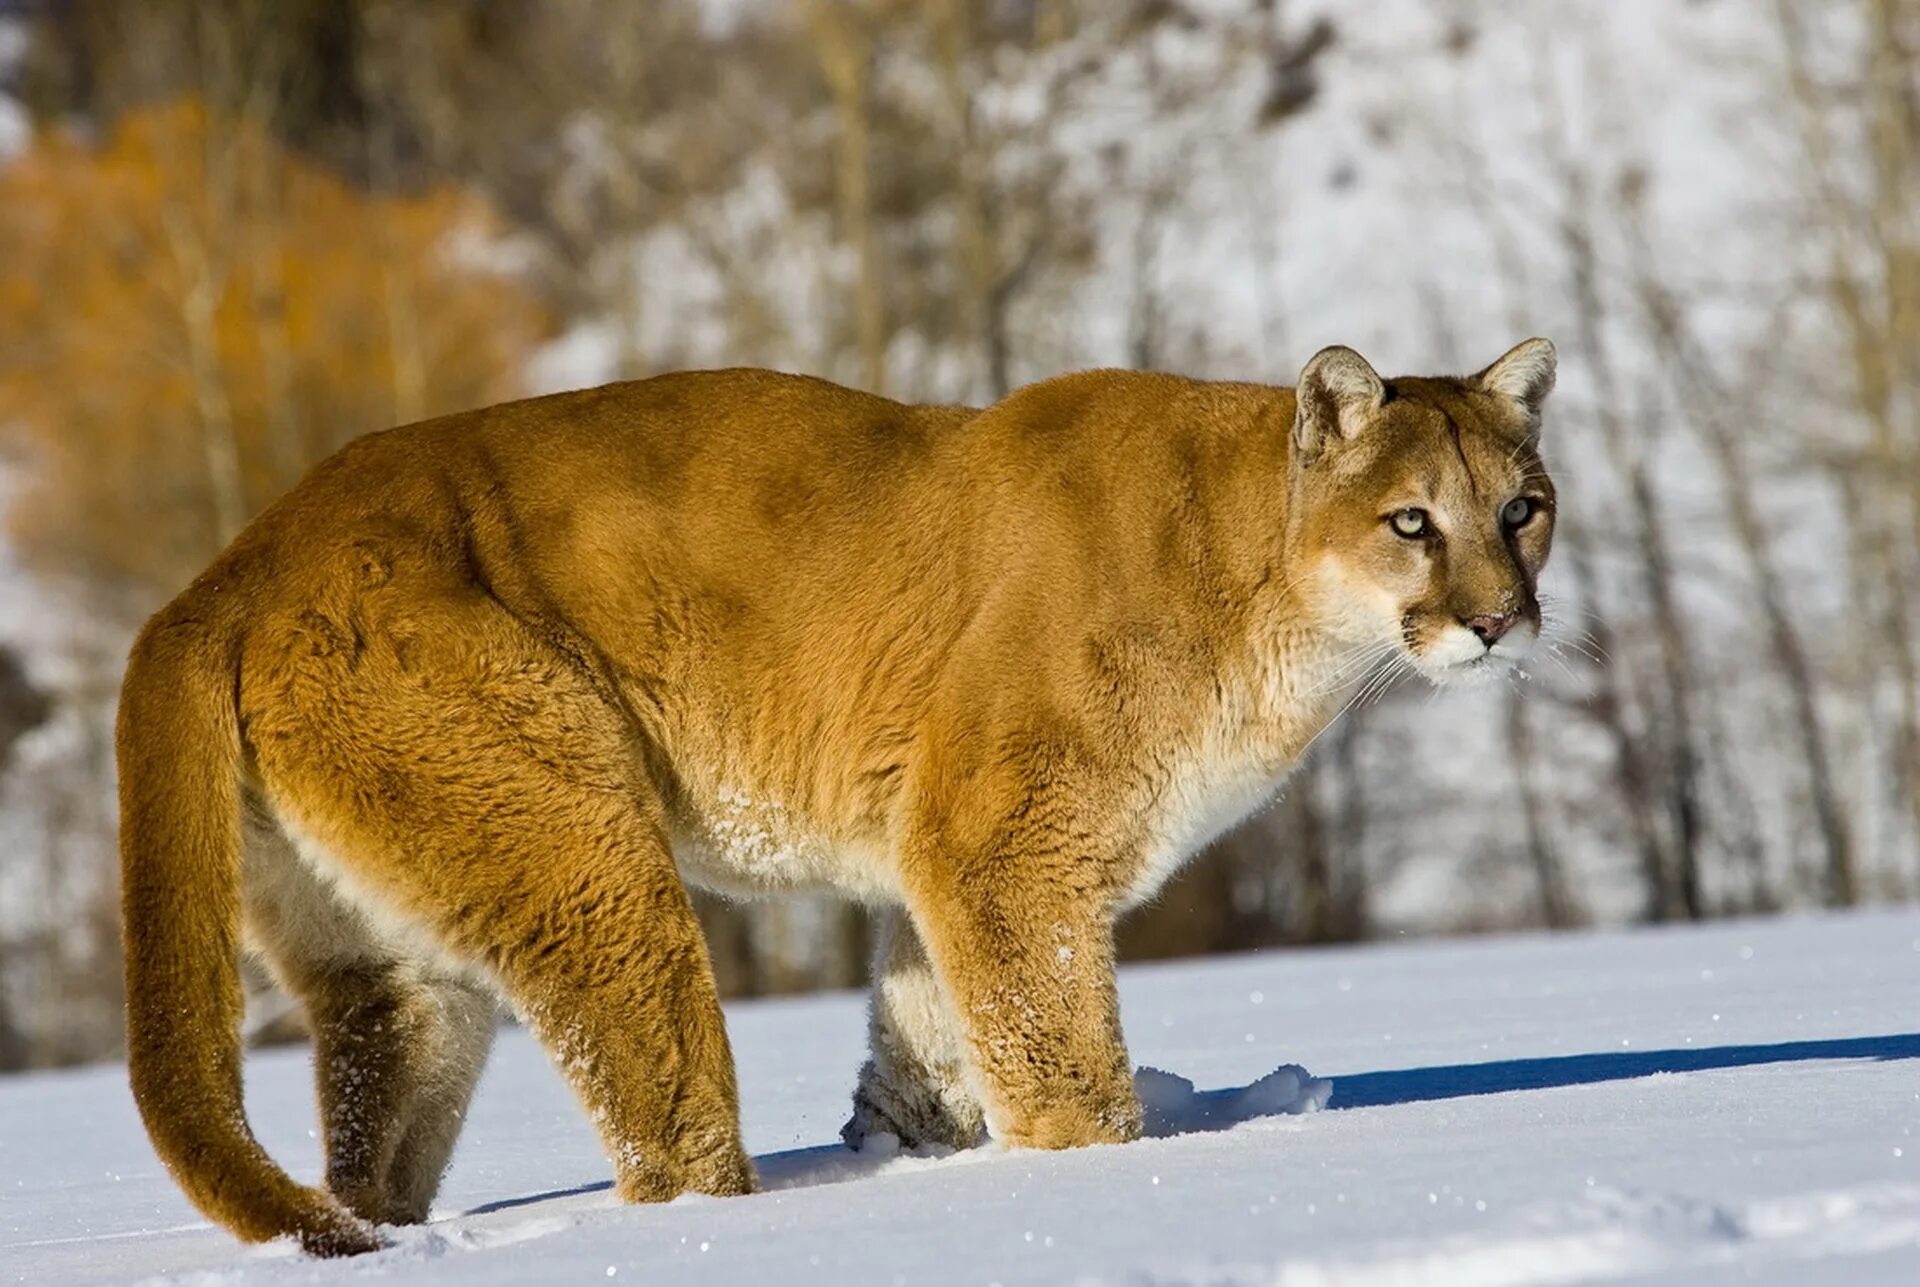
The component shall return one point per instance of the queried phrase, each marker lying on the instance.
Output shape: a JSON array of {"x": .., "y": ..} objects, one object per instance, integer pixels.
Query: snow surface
[{"x": 1698, "y": 1105}]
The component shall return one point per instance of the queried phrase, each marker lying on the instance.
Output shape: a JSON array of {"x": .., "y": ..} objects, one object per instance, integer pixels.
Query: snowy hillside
[{"x": 1690, "y": 1105}]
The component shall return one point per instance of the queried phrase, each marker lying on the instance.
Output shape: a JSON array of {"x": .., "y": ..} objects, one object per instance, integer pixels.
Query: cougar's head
[{"x": 1421, "y": 511}]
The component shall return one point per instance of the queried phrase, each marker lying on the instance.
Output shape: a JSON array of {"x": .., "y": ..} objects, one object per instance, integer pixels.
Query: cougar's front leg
[
  {"x": 915, "y": 1085},
  {"x": 1016, "y": 908}
]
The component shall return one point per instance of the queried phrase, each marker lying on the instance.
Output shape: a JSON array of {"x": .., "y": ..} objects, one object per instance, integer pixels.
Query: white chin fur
[{"x": 1459, "y": 660}]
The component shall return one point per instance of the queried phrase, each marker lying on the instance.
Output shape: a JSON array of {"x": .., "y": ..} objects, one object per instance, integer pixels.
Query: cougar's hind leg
[
  {"x": 398, "y": 1044},
  {"x": 473, "y": 782},
  {"x": 398, "y": 1057},
  {"x": 371, "y": 1061},
  {"x": 608, "y": 968},
  {"x": 461, "y": 1022}
]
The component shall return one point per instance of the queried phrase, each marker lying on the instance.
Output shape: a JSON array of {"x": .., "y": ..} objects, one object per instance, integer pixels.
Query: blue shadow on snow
[
  {"x": 1419, "y": 1085},
  {"x": 1218, "y": 1110}
]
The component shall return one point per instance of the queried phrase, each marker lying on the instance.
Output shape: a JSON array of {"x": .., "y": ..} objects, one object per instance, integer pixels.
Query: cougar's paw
[
  {"x": 1078, "y": 1122},
  {"x": 886, "y": 1117},
  {"x": 336, "y": 1232},
  {"x": 710, "y": 1162},
  {"x": 724, "y": 1171}
]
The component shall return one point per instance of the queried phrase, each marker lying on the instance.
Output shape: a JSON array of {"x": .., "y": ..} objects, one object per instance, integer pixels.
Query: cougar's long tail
[{"x": 179, "y": 751}]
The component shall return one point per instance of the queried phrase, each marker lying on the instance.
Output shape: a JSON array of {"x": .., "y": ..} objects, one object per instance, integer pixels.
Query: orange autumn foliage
[{"x": 191, "y": 314}]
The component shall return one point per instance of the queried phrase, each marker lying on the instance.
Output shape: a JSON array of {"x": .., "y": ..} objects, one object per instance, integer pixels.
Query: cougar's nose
[{"x": 1491, "y": 629}]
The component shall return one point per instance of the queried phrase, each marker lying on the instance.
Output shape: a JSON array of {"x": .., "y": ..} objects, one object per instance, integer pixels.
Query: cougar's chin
[{"x": 1460, "y": 659}]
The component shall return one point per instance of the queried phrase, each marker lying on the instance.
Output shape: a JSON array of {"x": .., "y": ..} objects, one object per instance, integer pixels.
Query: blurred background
[{"x": 235, "y": 234}]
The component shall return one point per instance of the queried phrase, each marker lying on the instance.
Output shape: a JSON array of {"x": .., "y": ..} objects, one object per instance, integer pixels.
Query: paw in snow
[{"x": 1171, "y": 1106}]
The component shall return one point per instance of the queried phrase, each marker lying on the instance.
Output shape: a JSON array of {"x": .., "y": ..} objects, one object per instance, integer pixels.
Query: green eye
[
  {"x": 1519, "y": 511},
  {"x": 1410, "y": 523}
]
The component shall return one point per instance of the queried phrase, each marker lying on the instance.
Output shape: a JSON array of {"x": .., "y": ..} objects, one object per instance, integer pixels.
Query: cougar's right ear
[
  {"x": 1524, "y": 373},
  {"x": 1338, "y": 390}
]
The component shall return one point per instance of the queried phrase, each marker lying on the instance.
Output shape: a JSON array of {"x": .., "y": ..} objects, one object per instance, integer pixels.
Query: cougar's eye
[
  {"x": 1411, "y": 523},
  {"x": 1519, "y": 511}
]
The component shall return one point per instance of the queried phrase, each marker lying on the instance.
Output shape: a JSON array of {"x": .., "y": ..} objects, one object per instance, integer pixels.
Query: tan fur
[{"x": 460, "y": 713}]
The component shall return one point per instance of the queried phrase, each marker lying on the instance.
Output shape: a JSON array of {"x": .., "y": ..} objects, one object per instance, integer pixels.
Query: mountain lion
[{"x": 464, "y": 713}]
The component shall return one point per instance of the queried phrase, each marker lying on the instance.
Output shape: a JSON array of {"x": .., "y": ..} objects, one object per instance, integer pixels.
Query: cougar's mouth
[{"x": 1458, "y": 657}]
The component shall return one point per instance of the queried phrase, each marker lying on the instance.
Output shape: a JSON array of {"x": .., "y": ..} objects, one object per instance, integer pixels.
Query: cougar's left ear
[
  {"x": 1525, "y": 374},
  {"x": 1338, "y": 390}
]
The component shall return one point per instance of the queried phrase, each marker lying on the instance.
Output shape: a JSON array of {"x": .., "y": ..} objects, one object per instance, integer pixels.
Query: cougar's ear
[
  {"x": 1338, "y": 391},
  {"x": 1525, "y": 374}
]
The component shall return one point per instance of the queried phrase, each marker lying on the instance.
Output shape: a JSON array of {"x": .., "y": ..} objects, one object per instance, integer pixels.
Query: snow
[{"x": 1697, "y": 1105}]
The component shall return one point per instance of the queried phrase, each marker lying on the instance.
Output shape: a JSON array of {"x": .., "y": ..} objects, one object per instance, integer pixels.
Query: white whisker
[
  {"x": 1352, "y": 664},
  {"x": 1553, "y": 651},
  {"x": 1585, "y": 646}
]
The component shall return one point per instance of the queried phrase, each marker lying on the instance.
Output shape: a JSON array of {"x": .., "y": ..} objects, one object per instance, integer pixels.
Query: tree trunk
[
  {"x": 1678, "y": 891},
  {"x": 1723, "y": 439},
  {"x": 845, "y": 53}
]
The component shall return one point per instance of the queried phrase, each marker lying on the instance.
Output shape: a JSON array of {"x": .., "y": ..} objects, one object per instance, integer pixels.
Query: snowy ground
[{"x": 1737, "y": 1102}]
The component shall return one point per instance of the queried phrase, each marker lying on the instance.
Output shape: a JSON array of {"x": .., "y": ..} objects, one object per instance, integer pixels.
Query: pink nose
[{"x": 1491, "y": 629}]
